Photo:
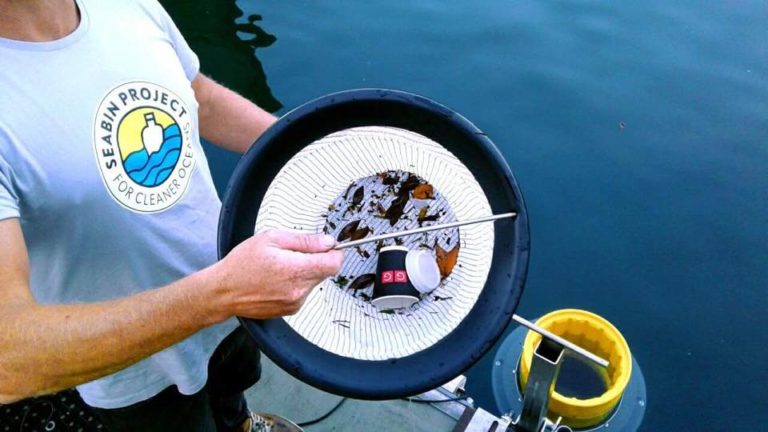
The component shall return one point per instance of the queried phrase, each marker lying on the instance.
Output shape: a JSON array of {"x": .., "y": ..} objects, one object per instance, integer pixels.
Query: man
[{"x": 108, "y": 215}]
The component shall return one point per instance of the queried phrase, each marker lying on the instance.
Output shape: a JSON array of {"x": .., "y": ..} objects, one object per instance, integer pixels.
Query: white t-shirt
[{"x": 100, "y": 160}]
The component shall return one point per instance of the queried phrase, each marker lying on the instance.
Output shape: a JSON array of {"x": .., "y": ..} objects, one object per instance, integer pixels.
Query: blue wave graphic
[{"x": 152, "y": 170}]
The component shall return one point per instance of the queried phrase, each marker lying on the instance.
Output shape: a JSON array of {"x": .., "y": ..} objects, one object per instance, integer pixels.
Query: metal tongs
[{"x": 424, "y": 229}]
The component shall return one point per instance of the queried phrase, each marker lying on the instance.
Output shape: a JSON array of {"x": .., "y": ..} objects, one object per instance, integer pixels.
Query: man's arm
[
  {"x": 226, "y": 118},
  {"x": 46, "y": 348}
]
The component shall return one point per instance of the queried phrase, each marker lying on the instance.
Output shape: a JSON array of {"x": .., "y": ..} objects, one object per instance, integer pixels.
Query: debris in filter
[
  {"x": 357, "y": 199},
  {"x": 341, "y": 281},
  {"x": 348, "y": 230},
  {"x": 446, "y": 260},
  {"x": 423, "y": 191},
  {"x": 424, "y": 217},
  {"x": 389, "y": 178},
  {"x": 362, "y": 252},
  {"x": 387, "y": 202},
  {"x": 360, "y": 233},
  {"x": 362, "y": 281},
  {"x": 396, "y": 209},
  {"x": 409, "y": 184},
  {"x": 380, "y": 210}
]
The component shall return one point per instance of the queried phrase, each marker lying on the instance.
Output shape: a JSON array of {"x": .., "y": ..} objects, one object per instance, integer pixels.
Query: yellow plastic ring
[{"x": 594, "y": 334}]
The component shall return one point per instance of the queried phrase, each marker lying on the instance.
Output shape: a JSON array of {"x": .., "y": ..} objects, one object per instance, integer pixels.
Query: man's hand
[
  {"x": 46, "y": 348},
  {"x": 272, "y": 273}
]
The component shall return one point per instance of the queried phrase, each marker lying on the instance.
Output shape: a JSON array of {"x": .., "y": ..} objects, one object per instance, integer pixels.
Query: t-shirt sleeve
[
  {"x": 188, "y": 58},
  {"x": 9, "y": 201}
]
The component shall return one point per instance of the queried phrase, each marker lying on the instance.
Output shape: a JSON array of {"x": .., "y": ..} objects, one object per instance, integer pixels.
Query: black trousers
[{"x": 219, "y": 407}]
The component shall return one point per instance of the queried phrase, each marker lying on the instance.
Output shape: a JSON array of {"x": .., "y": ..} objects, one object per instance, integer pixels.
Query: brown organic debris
[
  {"x": 424, "y": 191},
  {"x": 357, "y": 198},
  {"x": 446, "y": 260},
  {"x": 395, "y": 210},
  {"x": 363, "y": 281},
  {"x": 409, "y": 184},
  {"x": 348, "y": 230},
  {"x": 360, "y": 233},
  {"x": 424, "y": 217},
  {"x": 389, "y": 179},
  {"x": 341, "y": 281},
  {"x": 362, "y": 252},
  {"x": 380, "y": 210}
]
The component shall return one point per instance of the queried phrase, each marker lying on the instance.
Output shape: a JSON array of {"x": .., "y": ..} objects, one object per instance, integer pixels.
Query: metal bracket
[
  {"x": 480, "y": 420},
  {"x": 547, "y": 358}
]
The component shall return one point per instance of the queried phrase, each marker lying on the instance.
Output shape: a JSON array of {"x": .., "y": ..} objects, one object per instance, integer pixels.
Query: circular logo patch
[{"x": 142, "y": 140}]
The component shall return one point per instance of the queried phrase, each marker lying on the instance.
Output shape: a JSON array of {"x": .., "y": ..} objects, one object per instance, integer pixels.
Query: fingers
[
  {"x": 326, "y": 264},
  {"x": 307, "y": 243}
]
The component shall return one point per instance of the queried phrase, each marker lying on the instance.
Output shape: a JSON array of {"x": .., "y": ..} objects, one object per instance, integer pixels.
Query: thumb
[{"x": 308, "y": 243}]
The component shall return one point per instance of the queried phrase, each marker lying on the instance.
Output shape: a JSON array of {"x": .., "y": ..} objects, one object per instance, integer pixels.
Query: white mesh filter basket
[
  {"x": 298, "y": 199},
  {"x": 304, "y": 174}
]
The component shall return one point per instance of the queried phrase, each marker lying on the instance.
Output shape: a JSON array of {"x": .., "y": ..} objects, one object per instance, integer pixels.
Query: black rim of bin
[{"x": 485, "y": 323}]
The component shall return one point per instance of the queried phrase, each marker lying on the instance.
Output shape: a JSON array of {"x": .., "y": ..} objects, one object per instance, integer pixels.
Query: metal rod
[
  {"x": 567, "y": 344},
  {"x": 423, "y": 230}
]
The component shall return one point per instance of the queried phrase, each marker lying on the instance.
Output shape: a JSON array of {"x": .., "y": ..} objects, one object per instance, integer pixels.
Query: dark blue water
[
  {"x": 639, "y": 134},
  {"x": 579, "y": 378}
]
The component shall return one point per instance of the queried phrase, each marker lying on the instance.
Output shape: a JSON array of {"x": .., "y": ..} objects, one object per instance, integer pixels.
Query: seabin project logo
[{"x": 142, "y": 139}]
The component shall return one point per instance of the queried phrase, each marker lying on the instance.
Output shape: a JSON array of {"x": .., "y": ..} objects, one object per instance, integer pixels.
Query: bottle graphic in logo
[
  {"x": 152, "y": 134},
  {"x": 138, "y": 144},
  {"x": 150, "y": 145}
]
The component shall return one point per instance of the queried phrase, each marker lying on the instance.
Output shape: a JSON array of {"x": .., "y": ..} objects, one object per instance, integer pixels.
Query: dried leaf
[
  {"x": 357, "y": 198},
  {"x": 423, "y": 191},
  {"x": 423, "y": 217},
  {"x": 409, "y": 184},
  {"x": 380, "y": 209},
  {"x": 348, "y": 230},
  {"x": 388, "y": 178},
  {"x": 446, "y": 260},
  {"x": 395, "y": 210},
  {"x": 362, "y": 252},
  {"x": 430, "y": 218},
  {"x": 349, "y": 189},
  {"x": 360, "y": 233},
  {"x": 341, "y": 281},
  {"x": 362, "y": 281}
]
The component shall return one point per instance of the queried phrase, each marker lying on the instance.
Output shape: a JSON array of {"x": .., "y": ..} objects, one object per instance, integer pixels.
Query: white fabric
[
  {"x": 335, "y": 319},
  {"x": 61, "y": 152}
]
